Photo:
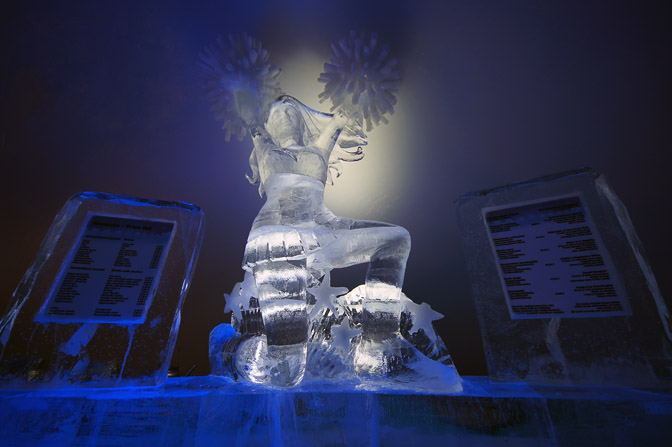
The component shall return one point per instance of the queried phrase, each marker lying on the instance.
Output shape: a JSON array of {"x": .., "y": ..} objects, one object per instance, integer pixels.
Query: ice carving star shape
[
  {"x": 341, "y": 336},
  {"x": 233, "y": 301},
  {"x": 423, "y": 315},
  {"x": 324, "y": 295},
  {"x": 240, "y": 296}
]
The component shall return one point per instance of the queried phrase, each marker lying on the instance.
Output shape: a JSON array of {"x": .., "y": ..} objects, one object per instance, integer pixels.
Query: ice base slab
[{"x": 206, "y": 411}]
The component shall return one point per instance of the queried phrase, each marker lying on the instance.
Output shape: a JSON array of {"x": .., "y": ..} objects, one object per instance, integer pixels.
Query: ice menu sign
[
  {"x": 112, "y": 272},
  {"x": 552, "y": 262}
]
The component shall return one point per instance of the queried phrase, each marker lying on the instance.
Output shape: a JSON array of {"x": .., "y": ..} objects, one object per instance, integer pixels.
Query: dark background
[{"x": 106, "y": 96}]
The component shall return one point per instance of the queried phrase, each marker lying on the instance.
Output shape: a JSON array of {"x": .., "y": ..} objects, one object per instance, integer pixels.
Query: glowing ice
[{"x": 290, "y": 322}]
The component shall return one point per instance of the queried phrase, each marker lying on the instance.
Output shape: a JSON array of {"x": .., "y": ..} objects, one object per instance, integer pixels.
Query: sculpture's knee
[
  {"x": 395, "y": 248},
  {"x": 388, "y": 263},
  {"x": 402, "y": 240}
]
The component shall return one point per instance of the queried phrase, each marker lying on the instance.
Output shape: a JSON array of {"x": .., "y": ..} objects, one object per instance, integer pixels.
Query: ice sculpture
[{"x": 288, "y": 319}]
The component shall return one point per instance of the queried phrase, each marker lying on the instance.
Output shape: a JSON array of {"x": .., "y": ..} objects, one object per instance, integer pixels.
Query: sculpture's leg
[
  {"x": 385, "y": 247},
  {"x": 382, "y": 350},
  {"x": 281, "y": 286},
  {"x": 384, "y": 279}
]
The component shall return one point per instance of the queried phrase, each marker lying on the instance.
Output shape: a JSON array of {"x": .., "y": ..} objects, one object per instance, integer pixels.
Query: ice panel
[
  {"x": 118, "y": 329},
  {"x": 626, "y": 338}
]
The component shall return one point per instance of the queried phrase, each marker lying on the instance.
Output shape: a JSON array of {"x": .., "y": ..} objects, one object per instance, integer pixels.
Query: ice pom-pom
[
  {"x": 361, "y": 78},
  {"x": 240, "y": 82}
]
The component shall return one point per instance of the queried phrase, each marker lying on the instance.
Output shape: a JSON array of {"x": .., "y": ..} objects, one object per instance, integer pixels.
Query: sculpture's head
[
  {"x": 291, "y": 121},
  {"x": 285, "y": 124}
]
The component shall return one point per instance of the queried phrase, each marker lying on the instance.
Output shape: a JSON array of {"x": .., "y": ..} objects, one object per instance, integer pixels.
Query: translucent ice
[
  {"x": 610, "y": 324},
  {"x": 213, "y": 411},
  {"x": 289, "y": 322},
  {"x": 99, "y": 306}
]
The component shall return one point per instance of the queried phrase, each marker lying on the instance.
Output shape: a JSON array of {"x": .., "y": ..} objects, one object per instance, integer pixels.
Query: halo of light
[{"x": 370, "y": 188}]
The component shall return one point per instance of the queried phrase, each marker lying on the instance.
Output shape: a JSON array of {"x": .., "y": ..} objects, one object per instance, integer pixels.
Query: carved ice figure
[{"x": 295, "y": 240}]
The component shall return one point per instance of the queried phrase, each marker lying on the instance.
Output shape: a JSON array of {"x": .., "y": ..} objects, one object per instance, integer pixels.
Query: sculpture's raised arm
[{"x": 329, "y": 135}]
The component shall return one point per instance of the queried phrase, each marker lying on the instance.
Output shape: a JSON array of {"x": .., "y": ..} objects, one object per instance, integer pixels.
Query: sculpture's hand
[
  {"x": 352, "y": 135},
  {"x": 341, "y": 118},
  {"x": 248, "y": 108}
]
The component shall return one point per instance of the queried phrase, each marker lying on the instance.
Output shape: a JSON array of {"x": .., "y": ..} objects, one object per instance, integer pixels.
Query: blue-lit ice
[
  {"x": 212, "y": 411},
  {"x": 289, "y": 321}
]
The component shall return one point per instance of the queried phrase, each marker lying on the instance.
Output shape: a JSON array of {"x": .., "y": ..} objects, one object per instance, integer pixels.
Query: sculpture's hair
[
  {"x": 255, "y": 178},
  {"x": 314, "y": 123}
]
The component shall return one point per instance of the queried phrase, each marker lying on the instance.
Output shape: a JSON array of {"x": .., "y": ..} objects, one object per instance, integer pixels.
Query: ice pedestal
[{"x": 207, "y": 411}]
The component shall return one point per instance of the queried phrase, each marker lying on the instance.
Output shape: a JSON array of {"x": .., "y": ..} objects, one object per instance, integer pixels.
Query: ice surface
[
  {"x": 209, "y": 411},
  {"x": 286, "y": 307},
  {"x": 114, "y": 321}
]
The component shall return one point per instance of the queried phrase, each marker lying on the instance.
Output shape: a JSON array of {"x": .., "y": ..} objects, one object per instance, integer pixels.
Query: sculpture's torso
[
  {"x": 308, "y": 161},
  {"x": 295, "y": 200},
  {"x": 293, "y": 179}
]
